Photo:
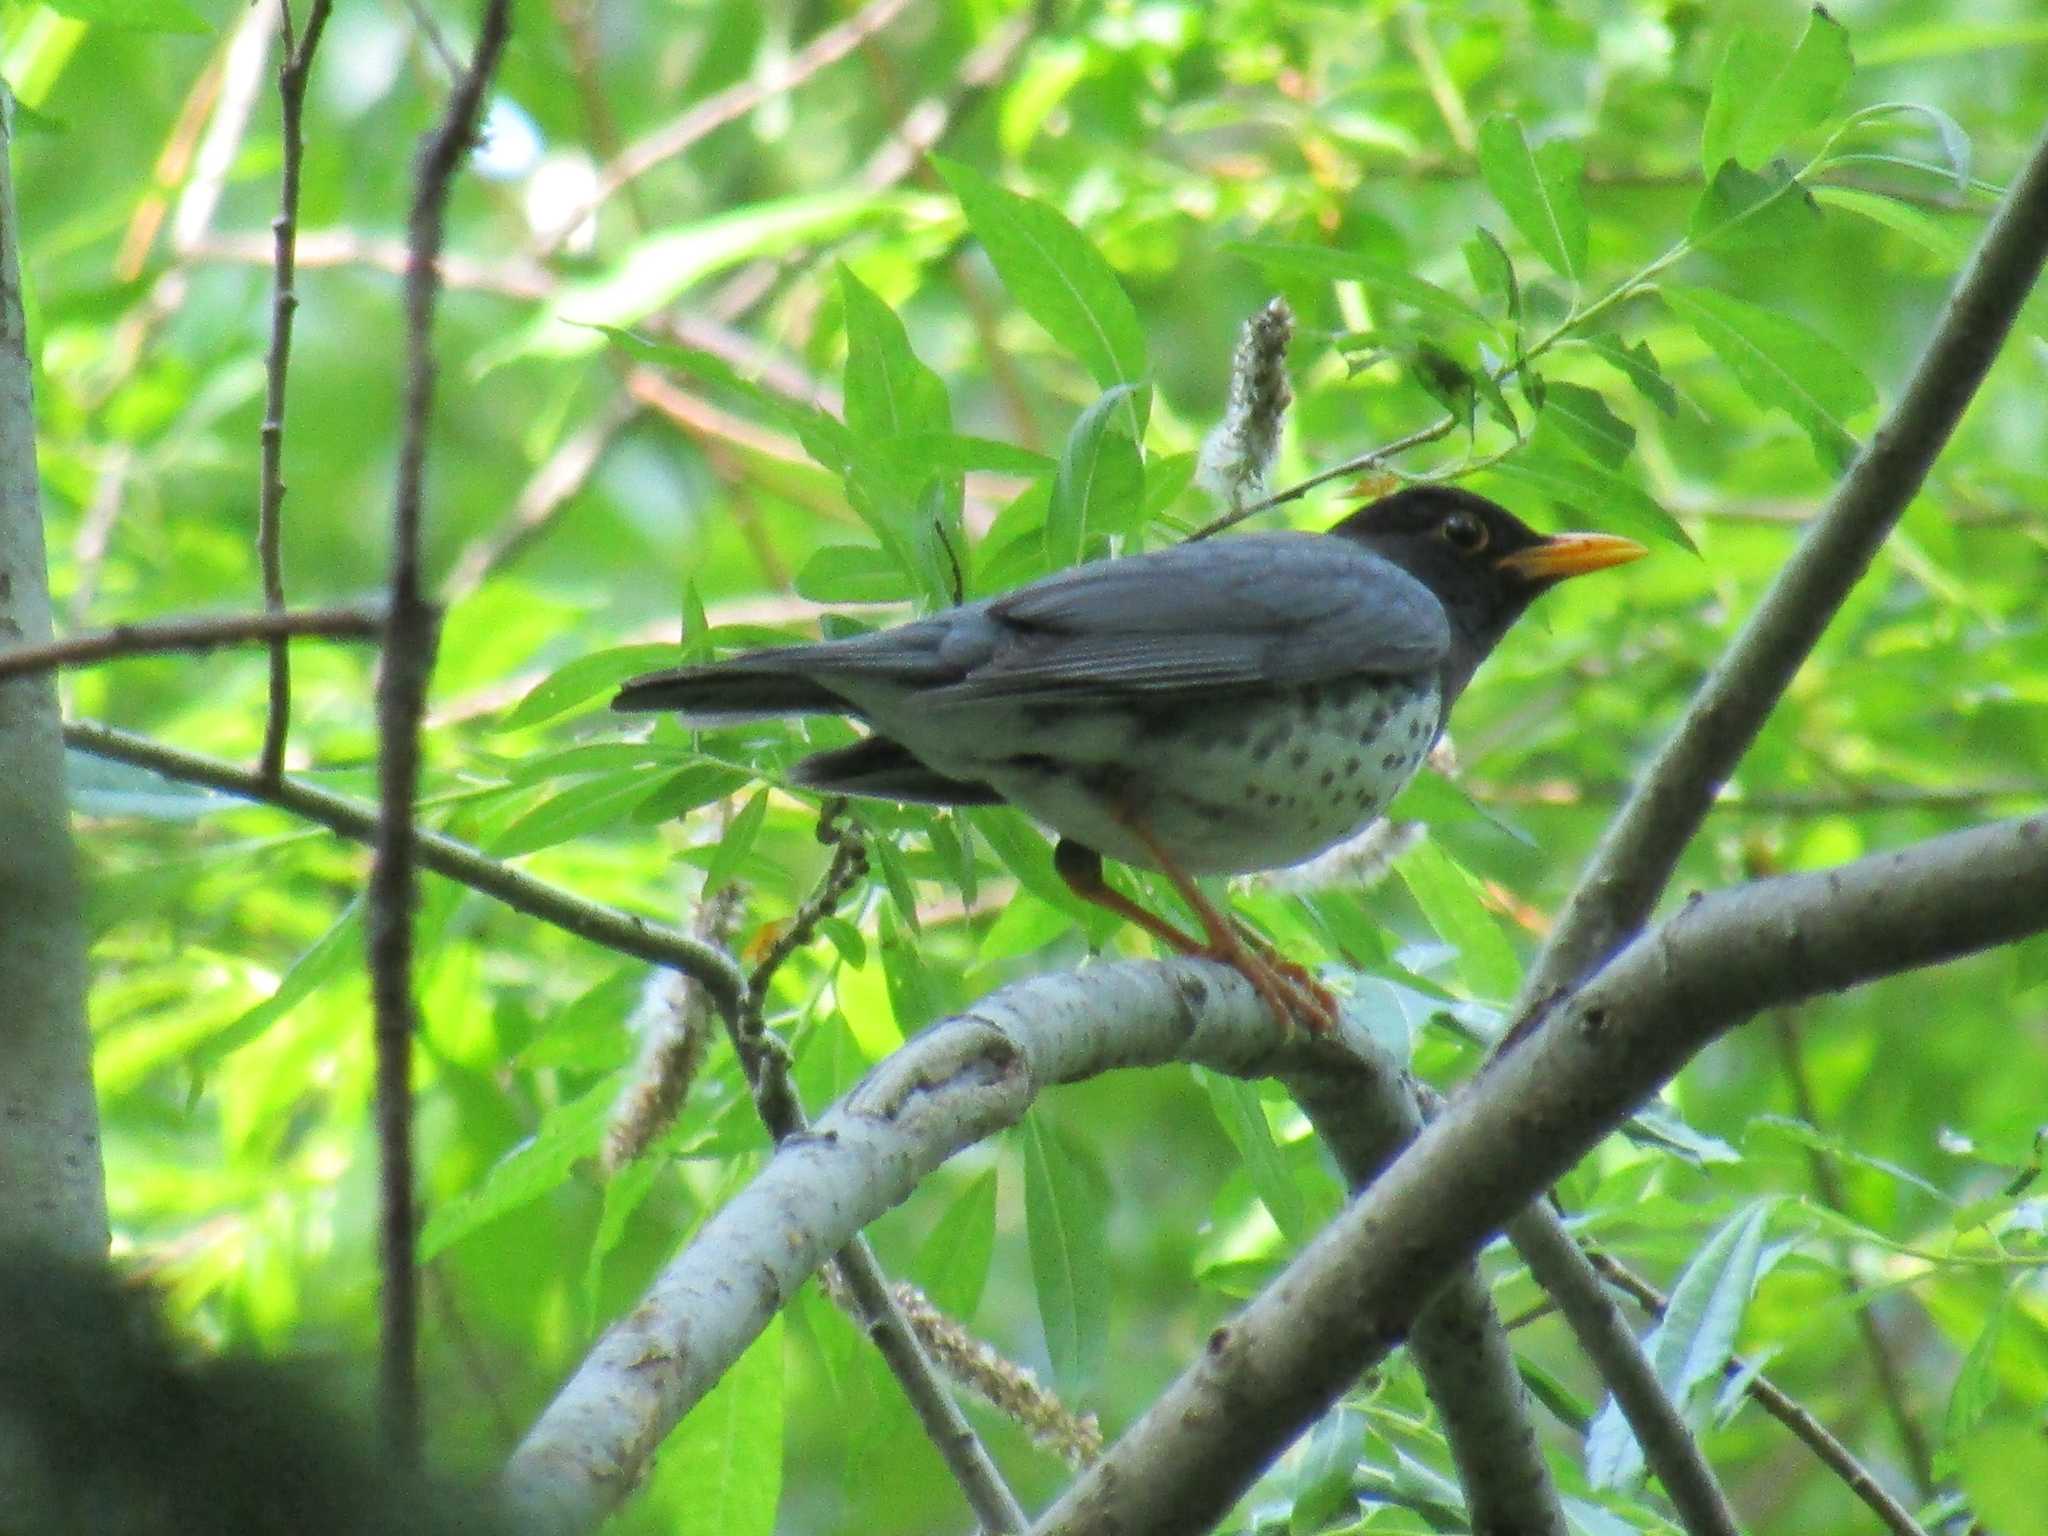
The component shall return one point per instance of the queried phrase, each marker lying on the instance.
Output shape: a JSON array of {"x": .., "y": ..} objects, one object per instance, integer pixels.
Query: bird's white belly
[{"x": 1257, "y": 782}]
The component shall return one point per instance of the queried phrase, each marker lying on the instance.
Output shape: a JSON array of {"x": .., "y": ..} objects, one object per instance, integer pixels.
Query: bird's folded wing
[{"x": 1263, "y": 608}]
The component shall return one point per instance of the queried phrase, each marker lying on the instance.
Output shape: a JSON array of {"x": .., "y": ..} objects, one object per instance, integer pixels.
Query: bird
[{"x": 1213, "y": 707}]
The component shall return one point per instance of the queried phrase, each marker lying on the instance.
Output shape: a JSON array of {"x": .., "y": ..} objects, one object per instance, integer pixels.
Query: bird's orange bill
[{"x": 1572, "y": 554}]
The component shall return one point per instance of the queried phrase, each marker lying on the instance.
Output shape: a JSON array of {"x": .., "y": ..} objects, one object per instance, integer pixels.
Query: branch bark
[
  {"x": 411, "y": 629},
  {"x": 202, "y": 634},
  {"x": 1527, "y": 1118},
  {"x": 1642, "y": 844},
  {"x": 51, "y": 1190}
]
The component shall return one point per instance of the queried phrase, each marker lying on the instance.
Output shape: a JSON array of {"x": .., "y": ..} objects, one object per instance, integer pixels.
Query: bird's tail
[{"x": 744, "y": 688}]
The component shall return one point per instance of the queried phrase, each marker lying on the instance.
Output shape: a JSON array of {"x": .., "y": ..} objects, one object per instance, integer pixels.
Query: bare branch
[
  {"x": 292, "y": 71},
  {"x": 1641, "y": 847},
  {"x": 410, "y": 636},
  {"x": 951, "y": 1086},
  {"x": 621, "y": 932},
  {"x": 206, "y": 634},
  {"x": 1668, "y": 1445},
  {"x": 1524, "y": 1121}
]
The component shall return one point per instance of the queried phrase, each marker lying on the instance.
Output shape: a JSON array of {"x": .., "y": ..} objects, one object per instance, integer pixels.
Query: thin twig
[
  {"x": 1827, "y": 1183},
  {"x": 1629, "y": 869},
  {"x": 154, "y": 639},
  {"x": 292, "y": 70},
  {"x": 726, "y": 106},
  {"x": 1780, "y": 1405},
  {"x": 765, "y": 1062},
  {"x": 408, "y": 658},
  {"x": 637, "y": 937}
]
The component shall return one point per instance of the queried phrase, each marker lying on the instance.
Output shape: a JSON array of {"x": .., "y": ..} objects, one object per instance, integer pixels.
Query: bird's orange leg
[{"x": 1288, "y": 989}]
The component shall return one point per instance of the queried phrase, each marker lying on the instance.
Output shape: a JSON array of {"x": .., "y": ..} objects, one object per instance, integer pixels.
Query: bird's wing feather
[{"x": 1285, "y": 608}]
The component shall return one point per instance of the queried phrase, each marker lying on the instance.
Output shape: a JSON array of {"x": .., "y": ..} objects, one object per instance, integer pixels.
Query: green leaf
[
  {"x": 953, "y": 1264},
  {"x": 657, "y": 269},
  {"x": 100, "y": 786},
  {"x": 1493, "y": 272},
  {"x": 1027, "y": 855},
  {"x": 854, "y": 573},
  {"x": 599, "y": 801},
  {"x": 1779, "y": 362},
  {"x": 720, "y": 1471},
  {"x": 924, "y": 453},
  {"x": 584, "y": 679},
  {"x": 1243, "y": 1118},
  {"x": 1321, "y": 263},
  {"x": 1744, "y": 210},
  {"x": 736, "y": 842},
  {"x": 824, "y": 437},
  {"x": 1582, "y": 416},
  {"x": 537, "y": 1166},
  {"x": 1637, "y": 364},
  {"x": 1449, "y": 898},
  {"x": 1764, "y": 97},
  {"x": 1063, "y": 1219},
  {"x": 1539, "y": 192},
  {"x": 1056, "y": 274},
  {"x": 1589, "y": 491},
  {"x": 1955, "y": 142},
  {"x": 135, "y": 15},
  {"x": 687, "y": 789},
  {"x": 2003, "y": 1468},
  {"x": 336, "y": 952},
  {"x": 1934, "y": 235},
  {"x": 1976, "y": 1383},
  {"x": 1695, "y": 1339},
  {"x": 1100, "y": 482},
  {"x": 888, "y": 391}
]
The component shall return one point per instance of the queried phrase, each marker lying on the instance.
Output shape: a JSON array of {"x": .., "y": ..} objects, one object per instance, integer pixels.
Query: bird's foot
[{"x": 1286, "y": 987}]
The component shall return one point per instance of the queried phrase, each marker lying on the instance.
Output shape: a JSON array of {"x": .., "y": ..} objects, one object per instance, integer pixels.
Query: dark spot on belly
[
  {"x": 1272, "y": 800},
  {"x": 1415, "y": 729},
  {"x": 1269, "y": 743},
  {"x": 1391, "y": 761},
  {"x": 1351, "y": 766},
  {"x": 1327, "y": 777},
  {"x": 1298, "y": 757}
]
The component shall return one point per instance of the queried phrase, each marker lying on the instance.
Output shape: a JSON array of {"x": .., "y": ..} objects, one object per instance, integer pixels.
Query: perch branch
[{"x": 206, "y": 634}]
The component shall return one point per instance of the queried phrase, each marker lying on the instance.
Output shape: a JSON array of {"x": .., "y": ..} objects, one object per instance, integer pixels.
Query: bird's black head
[{"x": 1484, "y": 564}]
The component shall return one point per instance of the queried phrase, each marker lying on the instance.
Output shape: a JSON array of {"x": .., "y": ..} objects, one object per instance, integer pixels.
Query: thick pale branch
[
  {"x": 950, "y": 1087},
  {"x": 1533, "y": 1113},
  {"x": 1642, "y": 844},
  {"x": 205, "y": 634}
]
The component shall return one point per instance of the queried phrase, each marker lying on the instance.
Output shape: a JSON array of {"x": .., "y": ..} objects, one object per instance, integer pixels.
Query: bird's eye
[{"x": 1464, "y": 532}]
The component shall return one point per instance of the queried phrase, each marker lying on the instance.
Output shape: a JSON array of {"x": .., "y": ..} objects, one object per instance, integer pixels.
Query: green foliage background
[{"x": 1213, "y": 156}]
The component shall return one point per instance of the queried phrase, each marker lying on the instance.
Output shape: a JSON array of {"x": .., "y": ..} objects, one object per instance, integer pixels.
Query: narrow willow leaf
[
  {"x": 1449, "y": 898},
  {"x": 1539, "y": 192},
  {"x": 1764, "y": 97},
  {"x": 853, "y": 573},
  {"x": 135, "y": 15},
  {"x": 580, "y": 681},
  {"x": 953, "y": 1264},
  {"x": 1063, "y": 1220},
  {"x": 537, "y": 1166},
  {"x": 1320, "y": 262},
  {"x": 1976, "y": 1383},
  {"x": 888, "y": 391},
  {"x": 1637, "y": 364},
  {"x": 1779, "y": 362},
  {"x": 720, "y": 1472},
  {"x": 824, "y": 437},
  {"x": 736, "y": 842},
  {"x": 1056, "y": 274},
  {"x": 1747, "y": 210},
  {"x": 1100, "y": 481},
  {"x": 1582, "y": 415},
  {"x": 1243, "y": 1118},
  {"x": 1589, "y": 492},
  {"x": 600, "y": 801},
  {"x": 1948, "y": 245},
  {"x": 1493, "y": 272},
  {"x": 336, "y": 952}
]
